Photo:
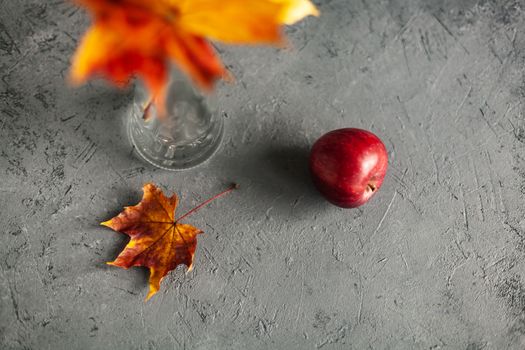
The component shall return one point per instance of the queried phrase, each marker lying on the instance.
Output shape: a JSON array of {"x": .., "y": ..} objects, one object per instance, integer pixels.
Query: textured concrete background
[{"x": 435, "y": 261}]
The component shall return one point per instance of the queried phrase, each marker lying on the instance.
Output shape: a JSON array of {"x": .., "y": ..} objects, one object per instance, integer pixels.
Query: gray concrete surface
[{"x": 435, "y": 261}]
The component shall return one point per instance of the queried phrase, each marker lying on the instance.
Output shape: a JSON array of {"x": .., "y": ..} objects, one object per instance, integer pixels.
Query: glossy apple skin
[{"x": 348, "y": 166}]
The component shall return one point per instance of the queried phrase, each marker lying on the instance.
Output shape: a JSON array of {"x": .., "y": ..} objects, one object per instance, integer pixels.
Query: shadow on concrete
[
  {"x": 290, "y": 164},
  {"x": 103, "y": 121},
  {"x": 278, "y": 178}
]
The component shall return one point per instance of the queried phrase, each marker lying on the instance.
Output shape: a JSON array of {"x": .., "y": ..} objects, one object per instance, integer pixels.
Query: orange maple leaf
[
  {"x": 141, "y": 36},
  {"x": 158, "y": 240}
]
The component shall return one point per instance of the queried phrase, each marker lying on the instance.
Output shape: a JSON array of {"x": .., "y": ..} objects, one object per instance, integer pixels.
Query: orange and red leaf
[
  {"x": 158, "y": 241},
  {"x": 142, "y": 37}
]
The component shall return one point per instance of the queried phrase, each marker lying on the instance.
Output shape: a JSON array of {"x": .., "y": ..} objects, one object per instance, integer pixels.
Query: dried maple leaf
[
  {"x": 158, "y": 240},
  {"x": 141, "y": 36}
]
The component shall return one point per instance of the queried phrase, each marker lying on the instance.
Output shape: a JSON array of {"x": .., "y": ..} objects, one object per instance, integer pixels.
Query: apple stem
[
  {"x": 372, "y": 187},
  {"x": 232, "y": 187}
]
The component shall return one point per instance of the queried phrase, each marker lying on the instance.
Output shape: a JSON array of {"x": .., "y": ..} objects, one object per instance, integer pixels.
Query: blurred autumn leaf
[
  {"x": 158, "y": 240},
  {"x": 141, "y": 37}
]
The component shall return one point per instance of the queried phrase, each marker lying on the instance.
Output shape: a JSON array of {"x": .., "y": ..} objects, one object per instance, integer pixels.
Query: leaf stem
[
  {"x": 228, "y": 190},
  {"x": 147, "y": 109}
]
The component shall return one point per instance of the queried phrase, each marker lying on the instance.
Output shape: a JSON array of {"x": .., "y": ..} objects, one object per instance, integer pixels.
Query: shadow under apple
[{"x": 278, "y": 177}]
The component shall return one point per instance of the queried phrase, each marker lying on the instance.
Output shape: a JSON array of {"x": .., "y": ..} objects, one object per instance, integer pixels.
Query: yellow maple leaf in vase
[{"x": 142, "y": 37}]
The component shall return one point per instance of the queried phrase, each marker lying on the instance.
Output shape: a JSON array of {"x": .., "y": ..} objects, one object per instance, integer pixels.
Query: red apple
[{"x": 348, "y": 166}]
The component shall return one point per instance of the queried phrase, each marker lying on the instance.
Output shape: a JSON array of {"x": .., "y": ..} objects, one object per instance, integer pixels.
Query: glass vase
[{"x": 187, "y": 135}]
